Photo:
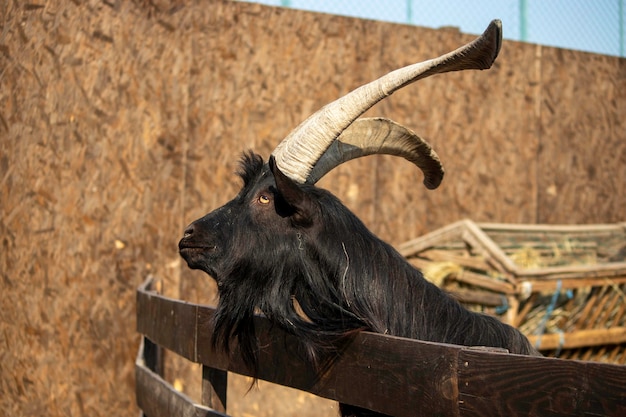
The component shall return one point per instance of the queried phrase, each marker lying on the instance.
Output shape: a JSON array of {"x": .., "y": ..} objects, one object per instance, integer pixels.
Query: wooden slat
[
  {"x": 484, "y": 298},
  {"x": 483, "y": 281},
  {"x": 580, "y": 338},
  {"x": 512, "y": 385},
  {"x": 414, "y": 246},
  {"x": 176, "y": 316},
  {"x": 157, "y": 398},
  {"x": 385, "y": 374},
  {"x": 405, "y": 377},
  {"x": 437, "y": 255},
  {"x": 574, "y": 271},
  {"x": 472, "y": 278},
  {"x": 493, "y": 251},
  {"x": 539, "y": 285},
  {"x": 560, "y": 228}
]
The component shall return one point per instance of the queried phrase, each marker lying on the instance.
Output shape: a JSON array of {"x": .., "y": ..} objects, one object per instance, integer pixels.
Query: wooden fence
[{"x": 392, "y": 375}]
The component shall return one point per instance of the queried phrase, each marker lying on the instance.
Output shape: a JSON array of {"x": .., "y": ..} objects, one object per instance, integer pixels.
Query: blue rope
[
  {"x": 504, "y": 307},
  {"x": 549, "y": 311}
]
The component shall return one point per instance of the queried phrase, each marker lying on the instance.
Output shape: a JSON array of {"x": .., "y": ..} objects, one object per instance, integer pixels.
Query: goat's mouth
[
  {"x": 196, "y": 250},
  {"x": 195, "y": 255}
]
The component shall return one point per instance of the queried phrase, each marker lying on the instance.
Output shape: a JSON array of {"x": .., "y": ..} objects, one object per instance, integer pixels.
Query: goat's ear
[{"x": 292, "y": 200}]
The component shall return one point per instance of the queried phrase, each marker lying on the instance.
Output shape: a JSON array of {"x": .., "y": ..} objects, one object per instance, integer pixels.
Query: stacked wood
[{"x": 563, "y": 286}]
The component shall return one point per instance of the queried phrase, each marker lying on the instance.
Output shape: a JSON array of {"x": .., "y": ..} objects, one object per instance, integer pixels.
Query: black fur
[{"x": 278, "y": 241}]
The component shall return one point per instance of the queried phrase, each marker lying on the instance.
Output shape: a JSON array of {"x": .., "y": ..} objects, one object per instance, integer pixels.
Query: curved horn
[
  {"x": 380, "y": 136},
  {"x": 298, "y": 153}
]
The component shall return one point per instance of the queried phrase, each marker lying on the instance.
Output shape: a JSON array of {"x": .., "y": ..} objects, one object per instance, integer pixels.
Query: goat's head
[{"x": 275, "y": 241}]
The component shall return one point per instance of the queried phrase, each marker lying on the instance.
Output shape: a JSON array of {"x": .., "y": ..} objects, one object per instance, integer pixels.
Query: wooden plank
[
  {"x": 384, "y": 374},
  {"x": 546, "y": 245},
  {"x": 431, "y": 239},
  {"x": 484, "y": 281},
  {"x": 157, "y": 398},
  {"x": 539, "y": 285},
  {"x": 513, "y": 385},
  {"x": 394, "y": 376},
  {"x": 574, "y": 271},
  {"x": 561, "y": 228},
  {"x": 470, "y": 240},
  {"x": 419, "y": 263},
  {"x": 478, "y": 297},
  {"x": 480, "y": 239},
  {"x": 405, "y": 377},
  {"x": 175, "y": 328},
  {"x": 580, "y": 338},
  {"x": 438, "y": 255}
]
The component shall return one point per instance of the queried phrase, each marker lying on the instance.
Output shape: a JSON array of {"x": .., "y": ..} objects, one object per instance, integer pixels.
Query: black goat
[{"x": 296, "y": 253}]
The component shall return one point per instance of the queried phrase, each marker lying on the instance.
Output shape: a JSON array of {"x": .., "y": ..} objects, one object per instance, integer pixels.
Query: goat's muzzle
[{"x": 193, "y": 250}]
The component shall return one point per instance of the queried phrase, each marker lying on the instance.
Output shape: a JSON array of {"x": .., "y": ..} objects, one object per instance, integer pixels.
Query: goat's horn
[
  {"x": 298, "y": 153},
  {"x": 380, "y": 136}
]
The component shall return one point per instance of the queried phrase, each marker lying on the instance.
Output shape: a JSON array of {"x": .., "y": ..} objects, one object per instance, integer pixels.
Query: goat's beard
[
  {"x": 235, "y": 320},
  {"x": 321, "y": 326}
]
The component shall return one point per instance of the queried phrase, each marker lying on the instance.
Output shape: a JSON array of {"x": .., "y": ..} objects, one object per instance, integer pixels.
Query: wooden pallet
[{"x": 563, "y": 286}]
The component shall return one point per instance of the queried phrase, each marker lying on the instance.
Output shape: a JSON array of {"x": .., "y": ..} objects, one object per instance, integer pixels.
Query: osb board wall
[
  {"x": 122, "y": 122},
  {"x": 583, "y": 103}
]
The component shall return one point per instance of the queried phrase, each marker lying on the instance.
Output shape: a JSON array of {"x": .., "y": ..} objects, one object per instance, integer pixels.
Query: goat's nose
[{"x": 188, "y": 231}]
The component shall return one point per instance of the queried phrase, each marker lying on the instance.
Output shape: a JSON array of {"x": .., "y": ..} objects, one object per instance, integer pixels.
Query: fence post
[
  {"x": 153, "y": 358},
  {"x": 214, "y": 384}
]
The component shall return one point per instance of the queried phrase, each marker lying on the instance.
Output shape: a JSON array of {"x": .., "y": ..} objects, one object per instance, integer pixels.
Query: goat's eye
[{"x": 263, "y": 199}]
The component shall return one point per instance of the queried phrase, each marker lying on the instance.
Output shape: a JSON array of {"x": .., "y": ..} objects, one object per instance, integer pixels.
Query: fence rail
[{"x": 392, "y": 375}]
